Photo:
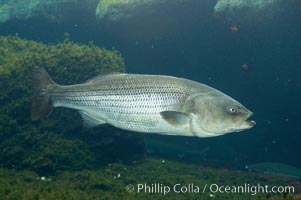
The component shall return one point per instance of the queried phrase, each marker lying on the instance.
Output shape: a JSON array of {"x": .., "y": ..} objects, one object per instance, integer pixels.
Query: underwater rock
[
  {"x": 248, "y": 11},
  {"x": 55, "y": 143},
  {"x": 58, "y": 10},
  {"x": 53, "y": 10},
  {"x": 228, "y": 5},
  {"x": 121, "y": 9},
  {"x": 279, "y": 169}
]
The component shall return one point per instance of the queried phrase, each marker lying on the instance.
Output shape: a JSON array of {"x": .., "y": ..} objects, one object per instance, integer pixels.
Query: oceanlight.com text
[
  {"x": 251, "y": 189},
  {"x": 213, "y": 188}
]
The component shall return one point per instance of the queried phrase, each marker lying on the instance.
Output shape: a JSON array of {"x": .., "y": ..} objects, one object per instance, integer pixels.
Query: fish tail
[{"x": 42, "y": 86}]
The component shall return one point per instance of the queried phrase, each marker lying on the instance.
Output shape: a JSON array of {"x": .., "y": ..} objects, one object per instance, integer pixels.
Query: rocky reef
[
  {"x": 52, "y": 10},
  {"x": 62, "y": 10},
  {"x": 122, "y": 9},
  {"x": 120, "y": 181},
  {"x": 59, "y": 142},
  {"x": 223, "y": 5}
]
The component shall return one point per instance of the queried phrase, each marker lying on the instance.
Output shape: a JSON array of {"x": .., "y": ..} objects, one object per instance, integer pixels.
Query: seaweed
[
  {"x": 57, "y": 143},
  {"x": 112, "y": 181}
]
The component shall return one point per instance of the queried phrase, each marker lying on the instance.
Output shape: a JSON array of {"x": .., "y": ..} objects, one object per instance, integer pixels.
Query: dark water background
[{"x": 190, "y": 41}]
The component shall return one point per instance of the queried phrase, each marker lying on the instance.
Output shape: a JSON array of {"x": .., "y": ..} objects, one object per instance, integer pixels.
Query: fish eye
[{"x": 232, "y": 110}]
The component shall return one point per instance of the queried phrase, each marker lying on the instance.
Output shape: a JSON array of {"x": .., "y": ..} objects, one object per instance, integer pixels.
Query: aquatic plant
[
  {"x": 110, "y": 182},
  {"x": 56, "y": 143}
]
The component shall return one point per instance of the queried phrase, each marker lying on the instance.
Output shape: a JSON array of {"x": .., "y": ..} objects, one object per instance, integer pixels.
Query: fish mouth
[
  {"x": 246, "y": 124},
  {"x": 250, "y": 123}
]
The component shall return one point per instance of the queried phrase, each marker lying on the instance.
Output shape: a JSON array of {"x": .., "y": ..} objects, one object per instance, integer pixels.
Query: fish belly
[{"x": 139, "y": 113}]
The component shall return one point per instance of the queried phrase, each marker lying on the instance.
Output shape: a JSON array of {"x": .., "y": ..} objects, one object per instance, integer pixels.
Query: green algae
[
  {"x": 109, "y": 182},
  {"x": 115, "y": 10},
  {"x": 50, "y": 10},
  {"x": 19, "y": 55},
  {"x": 56, "y": 143},
  {"x": 110, "y": 7}
]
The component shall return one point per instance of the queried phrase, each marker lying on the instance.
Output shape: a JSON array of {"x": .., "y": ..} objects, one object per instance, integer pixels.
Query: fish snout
[{"x": 251, "y": 123}]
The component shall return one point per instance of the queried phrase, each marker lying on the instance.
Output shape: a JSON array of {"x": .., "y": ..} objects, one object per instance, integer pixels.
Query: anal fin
[{"x": 89, "y": 121}]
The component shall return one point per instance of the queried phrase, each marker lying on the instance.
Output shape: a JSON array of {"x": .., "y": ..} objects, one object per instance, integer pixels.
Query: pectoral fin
[
  {"x": 175, "y": 118},
  {"x": 89, "y": 120}
]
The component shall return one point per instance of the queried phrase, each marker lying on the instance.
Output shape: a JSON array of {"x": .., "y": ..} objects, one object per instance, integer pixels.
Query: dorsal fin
[{"x": 102, "y": 76}]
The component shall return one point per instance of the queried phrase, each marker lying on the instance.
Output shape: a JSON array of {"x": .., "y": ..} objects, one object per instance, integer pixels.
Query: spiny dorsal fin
[
  {"x": 175, "y": 118},
  {"x": 103, "y": 74}
]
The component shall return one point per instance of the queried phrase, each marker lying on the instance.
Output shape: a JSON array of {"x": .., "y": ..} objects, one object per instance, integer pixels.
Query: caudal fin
[{"x": 42, "y": 85}]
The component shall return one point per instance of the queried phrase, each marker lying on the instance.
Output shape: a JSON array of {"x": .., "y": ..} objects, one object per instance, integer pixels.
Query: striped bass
[{"x": 143, "y": 103}]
